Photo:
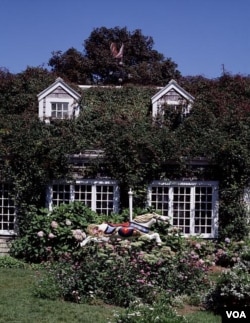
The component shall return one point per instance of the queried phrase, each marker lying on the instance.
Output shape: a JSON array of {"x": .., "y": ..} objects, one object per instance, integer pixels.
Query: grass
[
  {"x": 203, "y": 317},
  {"x": 18, "y": 305}
]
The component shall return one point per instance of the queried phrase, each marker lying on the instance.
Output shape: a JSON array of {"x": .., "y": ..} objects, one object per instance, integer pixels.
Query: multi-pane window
[
  {"x": 59, "y": 110},
  {"x": 7, "y": 211},
  {"x": 61, "y": 193},
  {"x": 181, "y": 208},
  {"x": 83, "y": 192},
  {"x": 101, "y": 196},
  {"x": 191, "y": 206},
  {"x": 104, "y": 198},
  {"x": 159, "y": 198}
]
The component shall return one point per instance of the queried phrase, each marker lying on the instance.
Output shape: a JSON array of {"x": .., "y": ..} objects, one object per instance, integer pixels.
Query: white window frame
[
  {"x": 170, "y": 207},
  {"x": 65, "y": 113},
  {"x": 94, "y": 198},
  {"x": 7, "y": 211}
]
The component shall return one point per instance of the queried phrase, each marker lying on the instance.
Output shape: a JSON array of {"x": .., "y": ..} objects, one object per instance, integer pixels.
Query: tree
[
  {"x": 71, "y": 65},
  {"x": 115, "y": 56},
  {"x": 18, "y": 92}
]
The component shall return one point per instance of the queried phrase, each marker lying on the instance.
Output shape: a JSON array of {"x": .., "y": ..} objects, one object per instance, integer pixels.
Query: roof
[
  {"x": 172, "y": 85},
  {"x": 59, "y": 82}
]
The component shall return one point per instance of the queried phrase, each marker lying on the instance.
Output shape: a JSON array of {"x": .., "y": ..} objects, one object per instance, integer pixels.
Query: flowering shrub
[
  {"x": 124, "y": 272},
  {"x": 228, "y": 253},
  {"x": 232, "y": 289},
  {"x": 52, "y": 235}
]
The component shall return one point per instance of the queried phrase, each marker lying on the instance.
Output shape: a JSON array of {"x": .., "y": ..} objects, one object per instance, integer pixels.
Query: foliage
[
  {"x": 137, "y": 150},
  {"x": 124, "y": 272},
  {"x": 159, "y": 311},
  {"x": 18, "y": 303},
  {"x": 232, "y": 289},
  {"x": 52, "y": 235},
  {"x": 33, "y": 155},
  {"x": 10, "y": 262},
  {"x": 18, "y": 93},
  {"x": 113, "y": 120},
  {"x": 229, "y": 253},
  {"x": 71, "y": 65},
  {"x": 141, "y": 64}
]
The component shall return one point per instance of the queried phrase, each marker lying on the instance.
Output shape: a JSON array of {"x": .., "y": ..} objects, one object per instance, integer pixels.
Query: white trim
[
  {"x": 192, "y": 185},
  {"x": 8, "y": 211},
  {"x": 93, "y": 183},
  {"x": 157, "y": 102},
  {"x": 45, "y": 101},
  {"x": 172, "y": 85},
  {"x": 54, "y": 86}
]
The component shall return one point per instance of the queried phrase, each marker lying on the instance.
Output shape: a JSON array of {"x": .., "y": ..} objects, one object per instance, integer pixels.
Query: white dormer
[
  {"x": 58, "y": 101},
  {"x": 173, "y": 96}
]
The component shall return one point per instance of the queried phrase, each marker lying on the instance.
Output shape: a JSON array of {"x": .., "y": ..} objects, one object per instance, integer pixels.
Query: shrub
[
  {"x": 228, "y": 253},
  {"x": 232, "y": 289},
  {"x": 122, "y": 272},
  {"x": 10, "y": 262},
  {"x": 50, "y": 235}
]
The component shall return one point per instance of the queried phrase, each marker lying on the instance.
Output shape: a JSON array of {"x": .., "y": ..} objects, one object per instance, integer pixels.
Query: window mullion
[
  {"x": 215, "y": 207},
  {"x": 149, "y": 196},
  {"x": 170, "y": 203},
  {"x": 72, "y": 193},
  {"x": 116, "y": 199},
  {"x": 192, "y": 209},
  {"x": 93, "y": 201}
]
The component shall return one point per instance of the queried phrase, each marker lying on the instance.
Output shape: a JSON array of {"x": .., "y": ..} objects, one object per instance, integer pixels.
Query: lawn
[{"x": 18, "y": 305}]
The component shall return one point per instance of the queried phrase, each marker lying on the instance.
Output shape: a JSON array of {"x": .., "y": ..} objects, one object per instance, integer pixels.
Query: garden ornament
[{"x": 138, "y": 227}]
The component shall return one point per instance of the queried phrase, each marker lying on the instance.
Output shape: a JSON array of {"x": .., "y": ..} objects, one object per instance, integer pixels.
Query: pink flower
[
  {"x": 197, "y": 246},
  {"x": 79, "y": 235},
  {"x": 54, "y": 224},
  {"x": 40, "y": 234},
  {"x": 51, "y": 236}
]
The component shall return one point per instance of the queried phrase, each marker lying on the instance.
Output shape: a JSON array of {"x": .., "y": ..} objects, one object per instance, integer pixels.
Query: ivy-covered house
[
  {"x": 192, "y": 204},
  {"x": 191, "y": 201}
]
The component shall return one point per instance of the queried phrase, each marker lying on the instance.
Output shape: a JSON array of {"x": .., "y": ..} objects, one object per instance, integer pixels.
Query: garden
[{"x": 182, "y": 280}]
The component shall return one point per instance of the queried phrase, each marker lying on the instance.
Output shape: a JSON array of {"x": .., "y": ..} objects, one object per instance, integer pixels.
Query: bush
[
  {"x": 123, "y": 272},
  {"x": 50, "y": 234},
  {"x": 10, "y": 262},
  {"x": 232, "y": 289}
]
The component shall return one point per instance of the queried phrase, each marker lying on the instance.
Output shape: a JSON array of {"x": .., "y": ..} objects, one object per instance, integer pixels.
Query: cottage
[{"x": 191, "y": 203}]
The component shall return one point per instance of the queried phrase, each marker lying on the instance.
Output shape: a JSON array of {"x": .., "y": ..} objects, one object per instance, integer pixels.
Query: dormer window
[
  {"x": 171, "y": 99},
  {"x": 59, "y": 110},
  {"x": 58, "y": 101}
]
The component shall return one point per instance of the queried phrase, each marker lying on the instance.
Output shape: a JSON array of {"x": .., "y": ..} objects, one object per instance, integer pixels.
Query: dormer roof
[
  {"x": 172, "y": 85},
  {"x": 59, "y": 83}
]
